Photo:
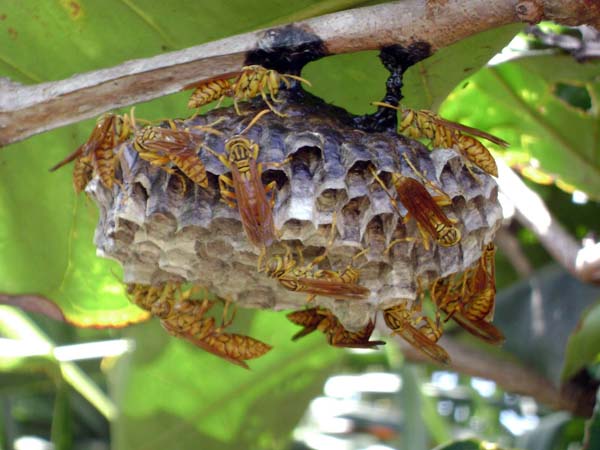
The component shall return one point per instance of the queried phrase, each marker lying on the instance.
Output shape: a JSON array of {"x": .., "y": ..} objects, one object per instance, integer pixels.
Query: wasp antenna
[{"x": 296, "y": 77}]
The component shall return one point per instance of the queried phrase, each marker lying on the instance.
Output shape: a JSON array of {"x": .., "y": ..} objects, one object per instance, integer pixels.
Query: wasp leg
[
  {"x": 322, "y": 257},
  {"x": 226, "y": 191}
]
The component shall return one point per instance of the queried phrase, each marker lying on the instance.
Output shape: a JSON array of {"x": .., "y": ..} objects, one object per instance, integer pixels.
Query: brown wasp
[
  {"x": 179, "y": 147},
  {"x": 252, "y": 81},
  {"x": 322, "y": 319},
  {"x": 244, "y": 188},
  {"x": 419, "y": 330},
  {"x": 426, "y": 209},
  {"x": 308, "y": 278},
  {"x": 470, "y": 300},
  {"x": 447, "y": 134},
  {"x": 184, "y": 317},
  {"x": 96, "y": 155}
]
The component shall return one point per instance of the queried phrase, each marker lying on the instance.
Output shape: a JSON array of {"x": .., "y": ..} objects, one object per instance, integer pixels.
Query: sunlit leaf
[
  {"x": 193, "y": 398},
  {"x": 518, "y": 101}
]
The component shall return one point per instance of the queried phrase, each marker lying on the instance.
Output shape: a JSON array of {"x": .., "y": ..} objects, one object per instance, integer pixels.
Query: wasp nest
[{"x": 160, "y": 228}]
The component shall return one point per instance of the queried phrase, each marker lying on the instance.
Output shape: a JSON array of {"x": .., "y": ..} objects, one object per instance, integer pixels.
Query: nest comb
[{"x": 160, "y": 231}]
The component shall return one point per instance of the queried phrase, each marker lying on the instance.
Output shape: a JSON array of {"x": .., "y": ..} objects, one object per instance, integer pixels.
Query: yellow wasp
[
  {"x": 470, "y": 300},
  {"x": 446, "y": 134},
  {"x": 250, "y": 82}
]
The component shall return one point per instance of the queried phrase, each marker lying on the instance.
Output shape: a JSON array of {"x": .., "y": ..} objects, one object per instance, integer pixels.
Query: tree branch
[
  {"x": 508, "y": 374},
  {"x": 582, "y": 261},
  {"x": 28, "y": 110}
]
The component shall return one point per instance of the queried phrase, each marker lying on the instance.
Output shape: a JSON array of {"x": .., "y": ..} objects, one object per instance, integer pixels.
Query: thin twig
[
  {"x": 510, "y": 246},
  {"x": 28, "y": 110},
  {"x": 582, "y": 261}
]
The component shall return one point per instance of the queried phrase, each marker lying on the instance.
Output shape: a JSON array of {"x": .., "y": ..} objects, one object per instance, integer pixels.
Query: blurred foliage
[{"x": 168, "y": 390}]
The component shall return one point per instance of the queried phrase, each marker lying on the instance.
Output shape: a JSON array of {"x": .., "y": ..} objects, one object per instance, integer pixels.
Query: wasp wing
[
  {"x": 419, "y": 341},
  {"x": 333, "y": 288},
  {"x": 76, "y": 154},
  {"x": 473, "y": 131},
  {"x": 481, "y": 329}
]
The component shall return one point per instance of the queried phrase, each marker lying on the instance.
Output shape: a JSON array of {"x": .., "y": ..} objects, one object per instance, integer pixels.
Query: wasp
[
  {"x": 210, "y": 91},
  {"x": 252, "y": 81},
  {"x": 419, "y": 330},
  {"x": 96, "y": 155},
  {"x": 308, "y": 278},
  {"x": 431, "y": 220},
  {"x": 470, "y": 300},
  {"x": 184, "y": 317},
  {"x": 448, "y": 134},
  {"x": 322, "y": 319},
  {"x": 163, "y": 146},
  {"x": 188, "y": 322},
  {"x": 243, "y": 188}
]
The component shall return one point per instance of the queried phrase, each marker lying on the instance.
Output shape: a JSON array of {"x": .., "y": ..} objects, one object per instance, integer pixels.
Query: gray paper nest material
[{"x": 158, "y": 234}]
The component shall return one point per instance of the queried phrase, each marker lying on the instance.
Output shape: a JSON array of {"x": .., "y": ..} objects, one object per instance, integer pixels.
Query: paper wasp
[
  {"x": 244, "y": 188},
  {"x": 431, "y": 221},
  {"x": 184, "y": 317},
  {"x": 179, "y": 147},
  {"x": 447, "y": 134},
  {"x": 252, "y": 81},
  {"x": 322, "y": 319},
  {"x": 470, "y": 299},
  {"x": 419, "y": 330},
  {"x": 314, "y": 281},
  {"x": 96, "y": 155}
]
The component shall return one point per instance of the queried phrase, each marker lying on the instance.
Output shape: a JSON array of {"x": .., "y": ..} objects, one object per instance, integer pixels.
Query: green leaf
[
  {"x": 592, "y": 429},
  {"x": 551, "y": 140},
  {"x": 353, "y": 81},
  {"x": 583, "y": 347},
  {"x": 188, "y": 396}
]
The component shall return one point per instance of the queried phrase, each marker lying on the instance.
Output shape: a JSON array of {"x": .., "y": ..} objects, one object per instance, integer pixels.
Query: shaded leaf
[
  {"x": 551, "y": 140},
  {"x": 548, "y": 307},
  {"x": 546, "y": 434},
  {"x": 583, "y": 347}
]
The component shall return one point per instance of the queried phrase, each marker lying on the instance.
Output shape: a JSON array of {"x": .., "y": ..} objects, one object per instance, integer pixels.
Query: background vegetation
[{"x": 168, "y": 394}]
